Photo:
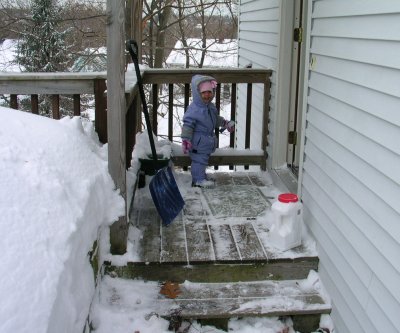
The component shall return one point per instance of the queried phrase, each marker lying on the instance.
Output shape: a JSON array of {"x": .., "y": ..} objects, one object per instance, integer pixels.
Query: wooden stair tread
[
  {"x": 221, "y": 300},
  {"x": 215, "y": 272},
  {"x": 224, "y": 300}
]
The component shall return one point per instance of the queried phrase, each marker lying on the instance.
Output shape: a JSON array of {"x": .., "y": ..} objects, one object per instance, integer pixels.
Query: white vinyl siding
[
  {"x": 351, "y": 178},
  {"x": 258, "y": 44}
]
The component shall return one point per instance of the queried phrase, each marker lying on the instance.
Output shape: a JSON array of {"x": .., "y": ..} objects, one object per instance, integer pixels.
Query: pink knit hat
[{"x": 207, "y": 86}]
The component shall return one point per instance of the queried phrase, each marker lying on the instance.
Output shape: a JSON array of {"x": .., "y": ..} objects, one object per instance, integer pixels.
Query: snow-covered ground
[{"x": 55, "y": 195}]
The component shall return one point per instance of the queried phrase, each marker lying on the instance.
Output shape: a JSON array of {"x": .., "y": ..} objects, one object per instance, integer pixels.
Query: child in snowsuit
[{"x": 198, "y": 131}]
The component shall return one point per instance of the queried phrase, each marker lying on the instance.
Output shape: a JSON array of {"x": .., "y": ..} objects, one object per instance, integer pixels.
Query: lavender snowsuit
[{"x": 199, "y": 124}]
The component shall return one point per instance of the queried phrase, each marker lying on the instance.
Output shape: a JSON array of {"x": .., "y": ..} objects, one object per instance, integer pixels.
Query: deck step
[
  {"x": 216, "y": 300},
  {"x": 222, "y": 272}
]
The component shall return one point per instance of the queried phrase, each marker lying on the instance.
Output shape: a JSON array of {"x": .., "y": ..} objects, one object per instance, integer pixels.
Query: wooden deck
[
  {"x": 218, "y": 253},
  {"x": 218, "y": 231}
]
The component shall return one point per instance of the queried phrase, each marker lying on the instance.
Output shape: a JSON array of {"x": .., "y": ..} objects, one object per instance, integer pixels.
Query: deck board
[
  {"x": 194, "y": 211},
  {"x": 199, "y": 244},
  {"x": 173, "y": 242},
  {"x": 148, "y": 222},
  {"x": 247, "y": 241},
  {"x": 224, "y": 245}
]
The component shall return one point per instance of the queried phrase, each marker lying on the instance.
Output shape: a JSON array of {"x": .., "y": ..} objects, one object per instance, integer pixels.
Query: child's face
[{"x": 207, "y": 96}]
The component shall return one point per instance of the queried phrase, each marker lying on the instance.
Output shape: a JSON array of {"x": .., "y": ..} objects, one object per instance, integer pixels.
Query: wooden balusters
[
  {"x": 170, "y": 111},
  {"x": 55, "y": 106},
  {"x": 233, "y": 113},
  {"x": 77, "y": 104},
  {"x": 35, "y": 104},
  {"x": 154, "y": 109},
  {"x": 100, "y": 121},
  {"x": 14, "y": 102}
]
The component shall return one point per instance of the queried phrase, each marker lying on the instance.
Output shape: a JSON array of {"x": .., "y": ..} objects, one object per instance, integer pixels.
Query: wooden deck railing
[
  {"x": 172, "y": 78},
  {"x": 58, "y": 85},
  {"x": 76, "y": 84}
]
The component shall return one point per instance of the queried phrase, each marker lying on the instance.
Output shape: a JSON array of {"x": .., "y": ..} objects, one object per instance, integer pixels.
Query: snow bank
[{"x": 55, "y": 194}]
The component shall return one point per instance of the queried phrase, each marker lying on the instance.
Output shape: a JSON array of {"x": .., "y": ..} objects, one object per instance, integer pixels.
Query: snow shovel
[{"x": 163, "y": 188}]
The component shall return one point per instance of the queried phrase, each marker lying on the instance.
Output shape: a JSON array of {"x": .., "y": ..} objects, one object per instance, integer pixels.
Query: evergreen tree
[{"x": 42, "y": 47}]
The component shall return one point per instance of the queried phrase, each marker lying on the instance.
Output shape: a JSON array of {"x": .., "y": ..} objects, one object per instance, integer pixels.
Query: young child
[{"x": 198, "y": 130}]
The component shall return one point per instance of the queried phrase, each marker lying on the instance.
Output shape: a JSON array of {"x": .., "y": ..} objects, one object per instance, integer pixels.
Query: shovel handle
[{"x": 133, "y": 48}]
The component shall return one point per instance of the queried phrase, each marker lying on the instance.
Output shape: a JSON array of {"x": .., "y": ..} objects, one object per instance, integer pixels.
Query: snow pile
[
  {"x": 126, "y": 306},
  {"x": 55, "y": 194},
  {"x": 143, "y": 148}
]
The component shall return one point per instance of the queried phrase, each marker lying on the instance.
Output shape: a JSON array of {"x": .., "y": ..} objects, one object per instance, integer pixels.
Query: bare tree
[{"x": 167, "y": 22}]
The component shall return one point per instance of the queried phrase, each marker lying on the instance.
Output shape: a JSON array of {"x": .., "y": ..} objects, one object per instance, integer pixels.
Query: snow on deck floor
[{"x": 227, "y": 223}]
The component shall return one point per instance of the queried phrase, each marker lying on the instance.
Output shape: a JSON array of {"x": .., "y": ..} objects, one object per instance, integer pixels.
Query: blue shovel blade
[{"x": 166, "y": 196}]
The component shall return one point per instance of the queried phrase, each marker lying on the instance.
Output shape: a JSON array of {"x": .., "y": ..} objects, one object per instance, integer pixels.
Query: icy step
[{"x": 214, "y": 300}]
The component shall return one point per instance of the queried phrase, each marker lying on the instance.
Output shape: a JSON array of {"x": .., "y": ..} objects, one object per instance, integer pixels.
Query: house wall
[
  {"x": 260, "y": 35},
  {"x": 350, "y": 176}
]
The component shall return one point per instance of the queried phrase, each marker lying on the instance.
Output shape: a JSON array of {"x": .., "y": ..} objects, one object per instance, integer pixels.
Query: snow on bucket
[{"x": 285, "y": 232}]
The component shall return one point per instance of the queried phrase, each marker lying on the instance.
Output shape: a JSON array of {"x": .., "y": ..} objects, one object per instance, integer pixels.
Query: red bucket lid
[{"x": 288, "y": 197}]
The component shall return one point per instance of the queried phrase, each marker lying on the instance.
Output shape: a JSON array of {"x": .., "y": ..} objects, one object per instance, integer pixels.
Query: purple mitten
[
  {"x": 230, "y": 126},
  {"x": 186, "y": 146}
]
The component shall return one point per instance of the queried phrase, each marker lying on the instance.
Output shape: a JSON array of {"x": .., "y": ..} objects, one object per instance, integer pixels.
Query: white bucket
[{"x": 285, "y": 232}]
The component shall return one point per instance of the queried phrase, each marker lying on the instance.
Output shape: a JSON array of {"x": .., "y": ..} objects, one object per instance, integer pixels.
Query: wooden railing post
[
  {"x": 248, "y": 115},
  {"x": 13, "y": 102},
  {"x": 170, "y": 111},
  {"x": 187, "y": 93},
  {"x": 218, "y": 104},
  {"x": 77, "y": 104},
  {"x": 116, "y": 116},
  {"x": 233, "y": 114},
  {"x": 154, "y": 110},
  {"x": 100, "y": 109},
  {"x": 35, "y": 104},
  {"x": 233, "y": 117},
  {"x": 265, "y": 127},
  {"x": 55, "y": 106}
]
